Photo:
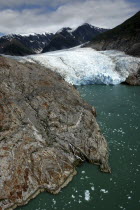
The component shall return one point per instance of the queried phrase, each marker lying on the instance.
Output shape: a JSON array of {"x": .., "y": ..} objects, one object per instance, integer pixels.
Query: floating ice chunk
[
  {"x": 54, "y": 201},
  {"x": 87, "y": 195},
  {"x": 93, "y": 188},
  {"x": 104, "y": 191}
]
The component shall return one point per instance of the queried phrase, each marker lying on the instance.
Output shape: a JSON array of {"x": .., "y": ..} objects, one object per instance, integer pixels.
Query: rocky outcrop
[
  {"x": 46, "y": 130},
  {"x": 125, "y": 37},
  {"x": 133, "y": 79},
  {"x": 134, "y": 50}
]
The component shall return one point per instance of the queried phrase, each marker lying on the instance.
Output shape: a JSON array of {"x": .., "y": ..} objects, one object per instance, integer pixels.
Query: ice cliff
[{"x": 81, "y": 66}]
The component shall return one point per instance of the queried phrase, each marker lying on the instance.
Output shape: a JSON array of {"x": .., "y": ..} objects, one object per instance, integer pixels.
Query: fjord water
[{"x": 118, "y": 113}]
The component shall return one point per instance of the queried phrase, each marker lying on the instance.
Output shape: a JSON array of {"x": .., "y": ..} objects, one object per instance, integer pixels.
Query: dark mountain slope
[
  {"x": 125, "y": 37},
  {"x": 34, "y": 42},
  {"x": 60, "y": 42},
  {"x": 86, "y": 32},
  {"x": 68, "y": 37},
  {"x": 14, "y": 47}
]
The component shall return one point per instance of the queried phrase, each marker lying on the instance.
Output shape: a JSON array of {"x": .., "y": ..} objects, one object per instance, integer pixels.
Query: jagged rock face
[{"x": 46, "y": 129}]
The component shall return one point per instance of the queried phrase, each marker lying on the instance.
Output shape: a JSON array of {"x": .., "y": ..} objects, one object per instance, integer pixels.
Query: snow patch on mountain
[
  {"x": 35, "y": 34},
  {"x": 81, "y": 66}
]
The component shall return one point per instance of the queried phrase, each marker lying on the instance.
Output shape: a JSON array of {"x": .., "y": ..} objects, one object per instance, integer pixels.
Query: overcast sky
[{"x": 27, "y": 16}]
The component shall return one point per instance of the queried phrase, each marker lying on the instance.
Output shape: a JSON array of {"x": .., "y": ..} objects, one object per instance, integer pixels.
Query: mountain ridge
[
  {"x": 68, "y": 37},
  {"x": 36, "y": 43},
  {"x": 125, "y": 37}
]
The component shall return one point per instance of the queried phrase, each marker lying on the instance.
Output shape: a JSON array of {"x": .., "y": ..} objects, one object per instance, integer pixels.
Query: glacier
[{"x": 82, "y": 66}]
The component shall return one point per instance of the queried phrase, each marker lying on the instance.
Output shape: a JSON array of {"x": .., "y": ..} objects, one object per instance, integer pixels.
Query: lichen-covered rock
[{"x": 46, "y": 129}]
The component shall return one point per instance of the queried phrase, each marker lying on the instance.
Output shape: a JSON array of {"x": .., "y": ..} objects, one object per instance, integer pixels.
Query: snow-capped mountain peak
[{"x": 42, "y": 42}]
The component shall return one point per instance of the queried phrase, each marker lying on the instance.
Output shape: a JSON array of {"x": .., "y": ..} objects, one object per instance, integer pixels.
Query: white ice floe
[
  {"x": 104, "y": 191},
  {"x": 87, "y": 195},
  {"x": 54, "y": 201},
  {"x": 93, "y": 188},
  {"x": 81, "y": 66}
]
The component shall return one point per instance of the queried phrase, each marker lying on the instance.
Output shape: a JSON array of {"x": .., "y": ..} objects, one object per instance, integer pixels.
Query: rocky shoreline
[
  {"x": 133, "y": 79},
  {"x": 46, "y": 130}
]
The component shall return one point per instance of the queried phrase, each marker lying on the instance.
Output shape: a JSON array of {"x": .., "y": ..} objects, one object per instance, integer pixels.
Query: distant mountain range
[
  {"x": 26, "y": 44},
  {"x": 125, "y": 37}
]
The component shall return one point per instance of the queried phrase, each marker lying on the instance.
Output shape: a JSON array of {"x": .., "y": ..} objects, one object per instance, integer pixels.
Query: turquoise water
[{"x": 118, "y": 109}]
